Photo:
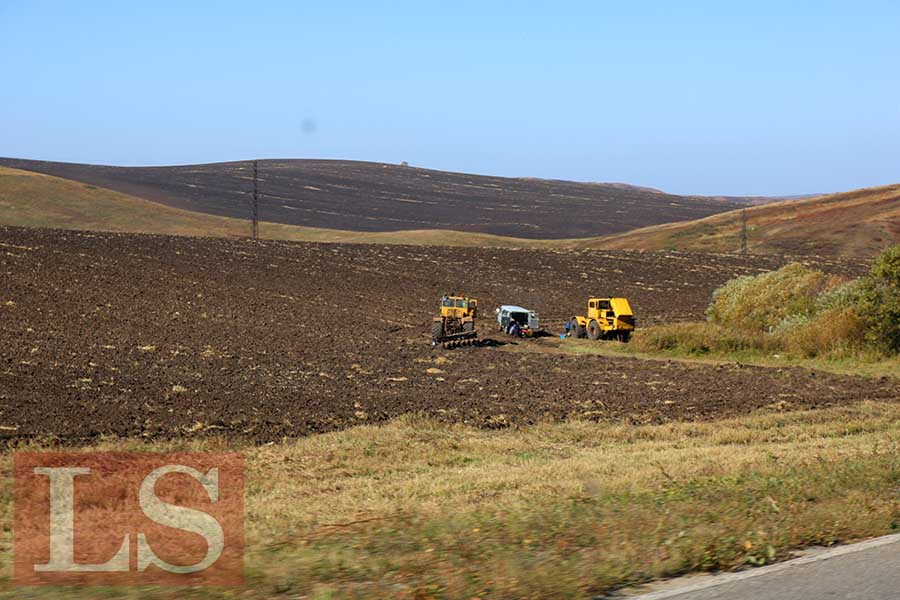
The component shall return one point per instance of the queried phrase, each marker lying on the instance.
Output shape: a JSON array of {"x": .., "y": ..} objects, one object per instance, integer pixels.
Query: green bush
[
  {"x": 845, "y": 295},
  {"x": 879, "y": 303},
  {"x": 760, "y": 304},
  {"x": 795, "y": 310}
]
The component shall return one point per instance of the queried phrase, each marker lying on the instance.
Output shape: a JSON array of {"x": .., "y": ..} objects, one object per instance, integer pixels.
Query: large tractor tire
[
  {"x": 576, "y": 329},
  {"x": 624, "y": 336},
  {"x": 437, "y": 331},
  {"x": 594, "y": 331}
]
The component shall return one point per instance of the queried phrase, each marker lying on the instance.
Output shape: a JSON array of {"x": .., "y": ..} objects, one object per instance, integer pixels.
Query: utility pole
[
  {"x": 744, "y": 231},
  {"x": 254, "y": 228}
]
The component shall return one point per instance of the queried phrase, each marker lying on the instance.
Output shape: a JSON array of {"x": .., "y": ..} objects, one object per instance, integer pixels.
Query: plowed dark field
[
  {"x": 365, "y": 196},
  {"x": 163, "y": 337}
]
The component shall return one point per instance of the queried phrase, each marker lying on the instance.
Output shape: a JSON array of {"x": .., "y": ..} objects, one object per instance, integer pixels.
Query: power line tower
[
  {"x": 254, "y": 227},
  {"x": 744, "y": 231}
]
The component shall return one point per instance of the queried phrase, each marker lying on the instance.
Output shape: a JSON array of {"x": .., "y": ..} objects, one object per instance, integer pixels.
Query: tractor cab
[{"x": 458, "y": 307}]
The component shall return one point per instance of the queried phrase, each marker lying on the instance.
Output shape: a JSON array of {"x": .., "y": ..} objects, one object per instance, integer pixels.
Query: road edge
[{"x": 725, "y": 578}]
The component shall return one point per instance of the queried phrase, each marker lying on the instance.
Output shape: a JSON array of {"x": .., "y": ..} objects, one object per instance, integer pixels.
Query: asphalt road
[{"x": 865, "y": 571}]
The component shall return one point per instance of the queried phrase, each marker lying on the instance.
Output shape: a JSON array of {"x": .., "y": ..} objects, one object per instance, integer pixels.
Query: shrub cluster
[
  {"x": 879, "y": 303},
  {"x": 759, "y": 304},
  {"x": 797, "y": 310}
]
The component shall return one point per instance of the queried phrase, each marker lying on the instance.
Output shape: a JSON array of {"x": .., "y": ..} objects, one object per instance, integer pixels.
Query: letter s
[{"x": 180, "y": 517}]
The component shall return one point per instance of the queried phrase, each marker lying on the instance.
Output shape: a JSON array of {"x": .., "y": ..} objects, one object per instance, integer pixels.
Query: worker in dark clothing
[{"x": 514, "y": 329}]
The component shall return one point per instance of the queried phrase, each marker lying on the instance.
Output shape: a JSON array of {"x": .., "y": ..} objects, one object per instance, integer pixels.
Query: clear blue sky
[{"x": 709, "y": 97}]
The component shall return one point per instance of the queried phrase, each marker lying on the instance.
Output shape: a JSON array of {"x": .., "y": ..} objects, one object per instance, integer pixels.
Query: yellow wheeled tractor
[
  {"x": 457, "y": 320},
  {"x": 607, "y": 319}
]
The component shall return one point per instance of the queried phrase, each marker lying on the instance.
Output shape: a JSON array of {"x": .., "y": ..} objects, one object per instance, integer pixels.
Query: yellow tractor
[
  {"x": 607, "y": 319},
  {"x": 457, "y": 319}
]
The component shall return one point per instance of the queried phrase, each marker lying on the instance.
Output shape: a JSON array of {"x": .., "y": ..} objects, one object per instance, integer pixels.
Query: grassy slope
[
  {"x": 854, "y": 223},
  {"x": 865, "y": 365},
  {"x": 569, "y": 510},
  {"x": 33, "y": 200},
  {"x": 857, "y": 223}
]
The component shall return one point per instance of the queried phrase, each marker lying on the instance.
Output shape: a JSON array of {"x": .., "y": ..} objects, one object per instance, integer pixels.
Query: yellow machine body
[
  {"x": 607, "y": 318},
  {"x": 456, "y": 320}
]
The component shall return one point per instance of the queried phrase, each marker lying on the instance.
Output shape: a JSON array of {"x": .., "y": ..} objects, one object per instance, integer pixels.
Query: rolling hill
[
  {"x": 856, "y": 223},
  {"x": 29, "y": 199},
  {"x": 376, "y": 197}
]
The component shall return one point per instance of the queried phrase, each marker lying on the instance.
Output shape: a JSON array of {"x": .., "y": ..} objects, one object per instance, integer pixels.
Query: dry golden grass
[
  {"x": 418, "y": 509},
  {"x": 709, "y": 344},
  {"x": 857, "y": 223}
]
